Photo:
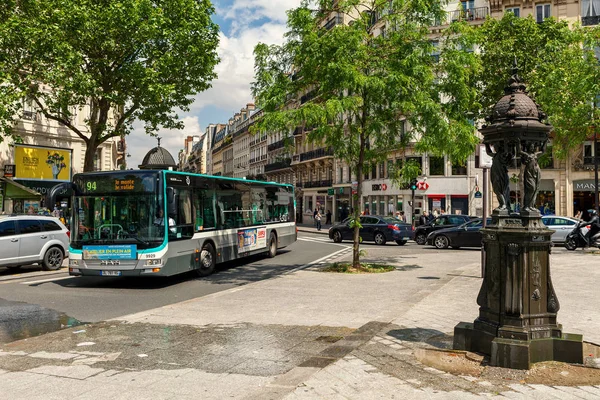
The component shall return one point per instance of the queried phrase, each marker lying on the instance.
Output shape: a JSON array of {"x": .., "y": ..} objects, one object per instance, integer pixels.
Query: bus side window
[
  {"x": 203, "y": 206},
  {"x": 183, "y": 220}
]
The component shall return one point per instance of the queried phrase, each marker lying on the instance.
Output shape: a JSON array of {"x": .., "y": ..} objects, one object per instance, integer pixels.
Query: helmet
[{"x": 592, "y": 212}]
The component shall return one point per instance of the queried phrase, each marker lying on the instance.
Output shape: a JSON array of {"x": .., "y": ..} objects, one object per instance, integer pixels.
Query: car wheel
[
  {"x": 208, "y": 260},
  {"x": 441, "y": 242},
  {"x": 401, "y": 242},
  {"x": 337, "y": 237},
  {"x": 272, "y": 246},
  {"x": 571, "y": 244},
  {"x": 380, "y": 238},
  {"x": 52, "y": 259},
  {"x": 421, "y": 239}
]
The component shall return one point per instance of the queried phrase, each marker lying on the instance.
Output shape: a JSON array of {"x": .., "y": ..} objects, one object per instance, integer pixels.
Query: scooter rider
[{"x": 594, "y": 223}]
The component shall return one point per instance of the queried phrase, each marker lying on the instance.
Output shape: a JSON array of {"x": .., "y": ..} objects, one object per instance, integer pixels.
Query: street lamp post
[{"x": 517, "y": 323}]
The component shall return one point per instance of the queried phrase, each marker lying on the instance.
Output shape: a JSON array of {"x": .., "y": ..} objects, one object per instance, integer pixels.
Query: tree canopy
[
  {"x": 359, "y": 85},
  {"x": 125, "y": 59},
  {"x": 558, "y": 62}
]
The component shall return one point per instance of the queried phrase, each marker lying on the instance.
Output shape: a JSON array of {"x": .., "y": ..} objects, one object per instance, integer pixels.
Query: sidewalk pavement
[
  {"x": 303, "y": 335},
  {"x": 313, "y": 229}
]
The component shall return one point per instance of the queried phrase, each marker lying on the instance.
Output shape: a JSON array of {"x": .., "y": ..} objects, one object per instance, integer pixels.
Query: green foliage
[
  {"x": 139, "y": 59},
  {"x": 555, "y": 61},
  {"x": 360, "y": 88}
]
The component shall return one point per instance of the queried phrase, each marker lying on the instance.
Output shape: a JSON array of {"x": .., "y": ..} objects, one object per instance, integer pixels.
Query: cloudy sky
[{"x": 243, "y": 23}]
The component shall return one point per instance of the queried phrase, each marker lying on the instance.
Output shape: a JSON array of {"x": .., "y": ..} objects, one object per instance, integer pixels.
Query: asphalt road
[{"x": 34, "y": 302}]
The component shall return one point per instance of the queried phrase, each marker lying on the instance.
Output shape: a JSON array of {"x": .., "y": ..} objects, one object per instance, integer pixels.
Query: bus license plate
[{"x": 111, "y": 273}]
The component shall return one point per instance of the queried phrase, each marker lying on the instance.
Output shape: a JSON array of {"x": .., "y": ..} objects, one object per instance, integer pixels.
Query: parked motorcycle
[{"x": 576, "y": 238}]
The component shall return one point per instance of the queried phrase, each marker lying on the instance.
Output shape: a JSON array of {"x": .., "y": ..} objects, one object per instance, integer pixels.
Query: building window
[
  {"x": 515, "y": 10},
  {"x": 417, "y": 160},
  {"x": 374, "y": 172},
  {"x": 459, "y": 168},
  {"x": 590, "y": 12},
  {"x": 98, "y": 160},
  {"x": 546, "y": 160},
  {"x": 29, "y": 110},
  {"x": 542, "y": 11},
  {"x": 436, "y": 166},
  {"x": 390, "y": 168},
  {"x": 381, "y": 170},
  {"x": 435, "y": 53}
]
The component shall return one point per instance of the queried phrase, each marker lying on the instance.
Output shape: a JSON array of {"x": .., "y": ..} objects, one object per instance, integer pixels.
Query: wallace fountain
[{"x": 517, "y": 324}]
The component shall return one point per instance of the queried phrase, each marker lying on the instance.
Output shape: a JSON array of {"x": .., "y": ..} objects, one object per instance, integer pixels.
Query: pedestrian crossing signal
[{"x": 413, "y": 184}]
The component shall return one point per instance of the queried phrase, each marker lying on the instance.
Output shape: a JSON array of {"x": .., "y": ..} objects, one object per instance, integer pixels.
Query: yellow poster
[{"x": 42, "y": 163}]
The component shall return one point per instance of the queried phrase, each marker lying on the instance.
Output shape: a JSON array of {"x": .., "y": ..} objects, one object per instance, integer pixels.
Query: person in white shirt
[{"x": 160, "y": 221}]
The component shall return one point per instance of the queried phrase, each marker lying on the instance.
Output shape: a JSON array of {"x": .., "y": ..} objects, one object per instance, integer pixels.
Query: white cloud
[{"x": 231, "y": 90}]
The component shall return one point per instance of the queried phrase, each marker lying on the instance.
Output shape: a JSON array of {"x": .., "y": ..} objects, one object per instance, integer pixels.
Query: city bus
[{"x": 162, "y": 223}]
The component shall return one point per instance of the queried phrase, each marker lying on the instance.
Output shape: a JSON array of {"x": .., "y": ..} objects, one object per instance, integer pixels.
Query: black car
[
  {"x": 465, "y": 235},
  {"x": 441, "y": 222},
  {"x": 374, "y": 228}
]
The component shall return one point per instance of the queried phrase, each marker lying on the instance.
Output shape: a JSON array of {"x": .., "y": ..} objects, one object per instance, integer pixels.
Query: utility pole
[{"x": 413, "y": 187}]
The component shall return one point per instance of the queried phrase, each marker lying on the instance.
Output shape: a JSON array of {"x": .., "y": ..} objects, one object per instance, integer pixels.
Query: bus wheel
[
  {"x": 272, "y": 246},
  {"x": 208, "y": 260}
]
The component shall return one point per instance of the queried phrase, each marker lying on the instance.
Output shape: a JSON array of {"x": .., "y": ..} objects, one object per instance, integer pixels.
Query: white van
[{"x": 30, "y": 239}]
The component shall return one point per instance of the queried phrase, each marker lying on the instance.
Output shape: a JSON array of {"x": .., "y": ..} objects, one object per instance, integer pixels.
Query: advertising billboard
[
  {"x": 42, "y": 163},
  {"x": 252, "y": 239}
]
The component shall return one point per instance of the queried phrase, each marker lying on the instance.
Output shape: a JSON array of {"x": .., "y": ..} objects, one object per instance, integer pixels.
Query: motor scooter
[{"x": 576, "y": 238}]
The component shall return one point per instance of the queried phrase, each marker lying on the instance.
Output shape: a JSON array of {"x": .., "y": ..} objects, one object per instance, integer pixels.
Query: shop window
[
  {"x": 436, "y": 166},
  {"x": 459, "y": 168}
]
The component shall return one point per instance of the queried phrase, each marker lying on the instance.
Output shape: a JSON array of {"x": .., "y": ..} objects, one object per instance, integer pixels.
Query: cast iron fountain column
[{"x": 518, "y": 306}]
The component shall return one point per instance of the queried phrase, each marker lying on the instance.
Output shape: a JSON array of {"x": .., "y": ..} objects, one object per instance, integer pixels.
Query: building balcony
[
  {"x": 590, "y": 20},
  {"x": 277, "y": 145},
  {"x": 298, "y": 131},
  {"x": 471, "y": 14},
  {"x": 316, "y": 184},
  {"x": 278, "y": 165},
  {"x": 318, "y": 153},
  {"x": 258, "y": 159},
  {"x": 590, "y": 160}
]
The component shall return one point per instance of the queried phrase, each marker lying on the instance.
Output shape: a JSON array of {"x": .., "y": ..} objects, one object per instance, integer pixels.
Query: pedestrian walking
[
  {"x": 318, "y": 218},
  {"x": 328, "y": 216},
  {"x": 424, "y": 218},
  {"x": 402, "y": 217}
]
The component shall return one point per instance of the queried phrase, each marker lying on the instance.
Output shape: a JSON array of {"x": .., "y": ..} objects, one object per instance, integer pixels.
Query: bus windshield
[{"x": 117, "y": 210}]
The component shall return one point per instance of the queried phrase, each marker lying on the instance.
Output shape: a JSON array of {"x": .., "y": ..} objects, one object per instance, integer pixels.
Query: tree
[
  {"x": 557, "y": 62},
  {"x": 125, "y": 59},
  {"x": 358, "y": 87}
]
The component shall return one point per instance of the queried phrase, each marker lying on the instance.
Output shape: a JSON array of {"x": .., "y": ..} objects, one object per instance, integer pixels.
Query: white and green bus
[{"x": 161, "y": 223}]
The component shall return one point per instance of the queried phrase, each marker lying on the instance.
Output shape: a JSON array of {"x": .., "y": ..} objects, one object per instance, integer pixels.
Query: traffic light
[{"x": 413, "y": 184}]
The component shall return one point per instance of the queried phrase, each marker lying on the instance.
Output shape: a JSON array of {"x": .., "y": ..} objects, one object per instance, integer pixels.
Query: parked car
[
  {"x": 30, "y": 239},
  {"x": 562, "y": 225},
  {"x": 465, "y": 235},
  {"x": 374, "y": 228},
  {"x": 441, "y": 222}
]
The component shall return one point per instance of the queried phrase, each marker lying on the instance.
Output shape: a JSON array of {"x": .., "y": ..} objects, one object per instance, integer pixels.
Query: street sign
[
  {"x": 9, "y": 171},
  {"x": 330, "y": 191},
  {"x": 478, "y": 195},
  {"x": 422, "y": 185}
]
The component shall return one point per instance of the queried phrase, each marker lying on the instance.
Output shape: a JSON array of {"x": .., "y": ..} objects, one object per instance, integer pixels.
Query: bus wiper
[{"x": 145, "y": 243}]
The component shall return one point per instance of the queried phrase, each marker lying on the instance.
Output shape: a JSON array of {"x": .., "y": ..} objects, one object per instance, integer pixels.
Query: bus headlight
[
  {"x": 73, "y": 263},
  {"x": 154, "y": 262}
]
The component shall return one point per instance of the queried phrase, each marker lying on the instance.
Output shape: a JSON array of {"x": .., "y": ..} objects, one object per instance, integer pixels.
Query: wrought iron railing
[
  {"x": 318, "y": 153},
  {"x": 590, "y": 20},
  {"x": 278, "y": 165}
]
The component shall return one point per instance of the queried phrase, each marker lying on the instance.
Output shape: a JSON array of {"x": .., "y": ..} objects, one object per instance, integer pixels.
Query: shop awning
[{"x": 14, "y": 190}]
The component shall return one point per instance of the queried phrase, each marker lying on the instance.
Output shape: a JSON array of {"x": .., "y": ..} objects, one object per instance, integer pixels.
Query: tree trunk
[
  {"x": 90, "y": 153},
  {"x": 356, "y": 203}
]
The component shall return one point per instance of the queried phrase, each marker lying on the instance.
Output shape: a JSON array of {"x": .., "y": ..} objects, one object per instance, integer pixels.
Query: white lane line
[
  {"x": 329, "y": 242},
  {"x": 45, "y": 280},
  {"x": 328, "y": 256}
]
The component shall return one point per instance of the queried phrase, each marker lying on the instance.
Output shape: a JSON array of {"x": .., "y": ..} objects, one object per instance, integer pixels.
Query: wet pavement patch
[{"x": 22, "y": 320}]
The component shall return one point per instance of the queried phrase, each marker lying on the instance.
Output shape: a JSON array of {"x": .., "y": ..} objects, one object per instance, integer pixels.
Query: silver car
[
  {"x": 30, "y": 239},
  {"x": 562, "y": 225}
]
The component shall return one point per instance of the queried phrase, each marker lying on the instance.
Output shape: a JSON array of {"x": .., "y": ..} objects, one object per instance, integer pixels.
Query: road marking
[
  {"x": 322, "y": 259},
  {"x": 45, "y": 280},
  {"x": 326, "y": 241}
]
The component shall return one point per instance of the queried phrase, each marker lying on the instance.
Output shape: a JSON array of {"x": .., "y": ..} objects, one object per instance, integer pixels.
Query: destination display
[
  {"x": 127, "y": 182},
  {"x": 110, "y": 252}
]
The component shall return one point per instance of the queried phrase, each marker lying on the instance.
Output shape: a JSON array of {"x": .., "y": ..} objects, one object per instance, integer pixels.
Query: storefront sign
[
  {"x": 110, "y": 252},
  {"x": 354, "y": 187},
  {"x": 9, "y": 171},
  {"x": 584, "y": 186},
  {"x": 252, "y": 239},
  {"x": 378, "y": 187},
  {"x": 330, "y": 191},
  {"x": 42, "y": 163}
]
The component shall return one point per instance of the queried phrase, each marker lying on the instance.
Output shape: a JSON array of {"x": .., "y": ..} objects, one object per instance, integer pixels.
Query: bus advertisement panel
[{"x": 252, "y": 239}]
